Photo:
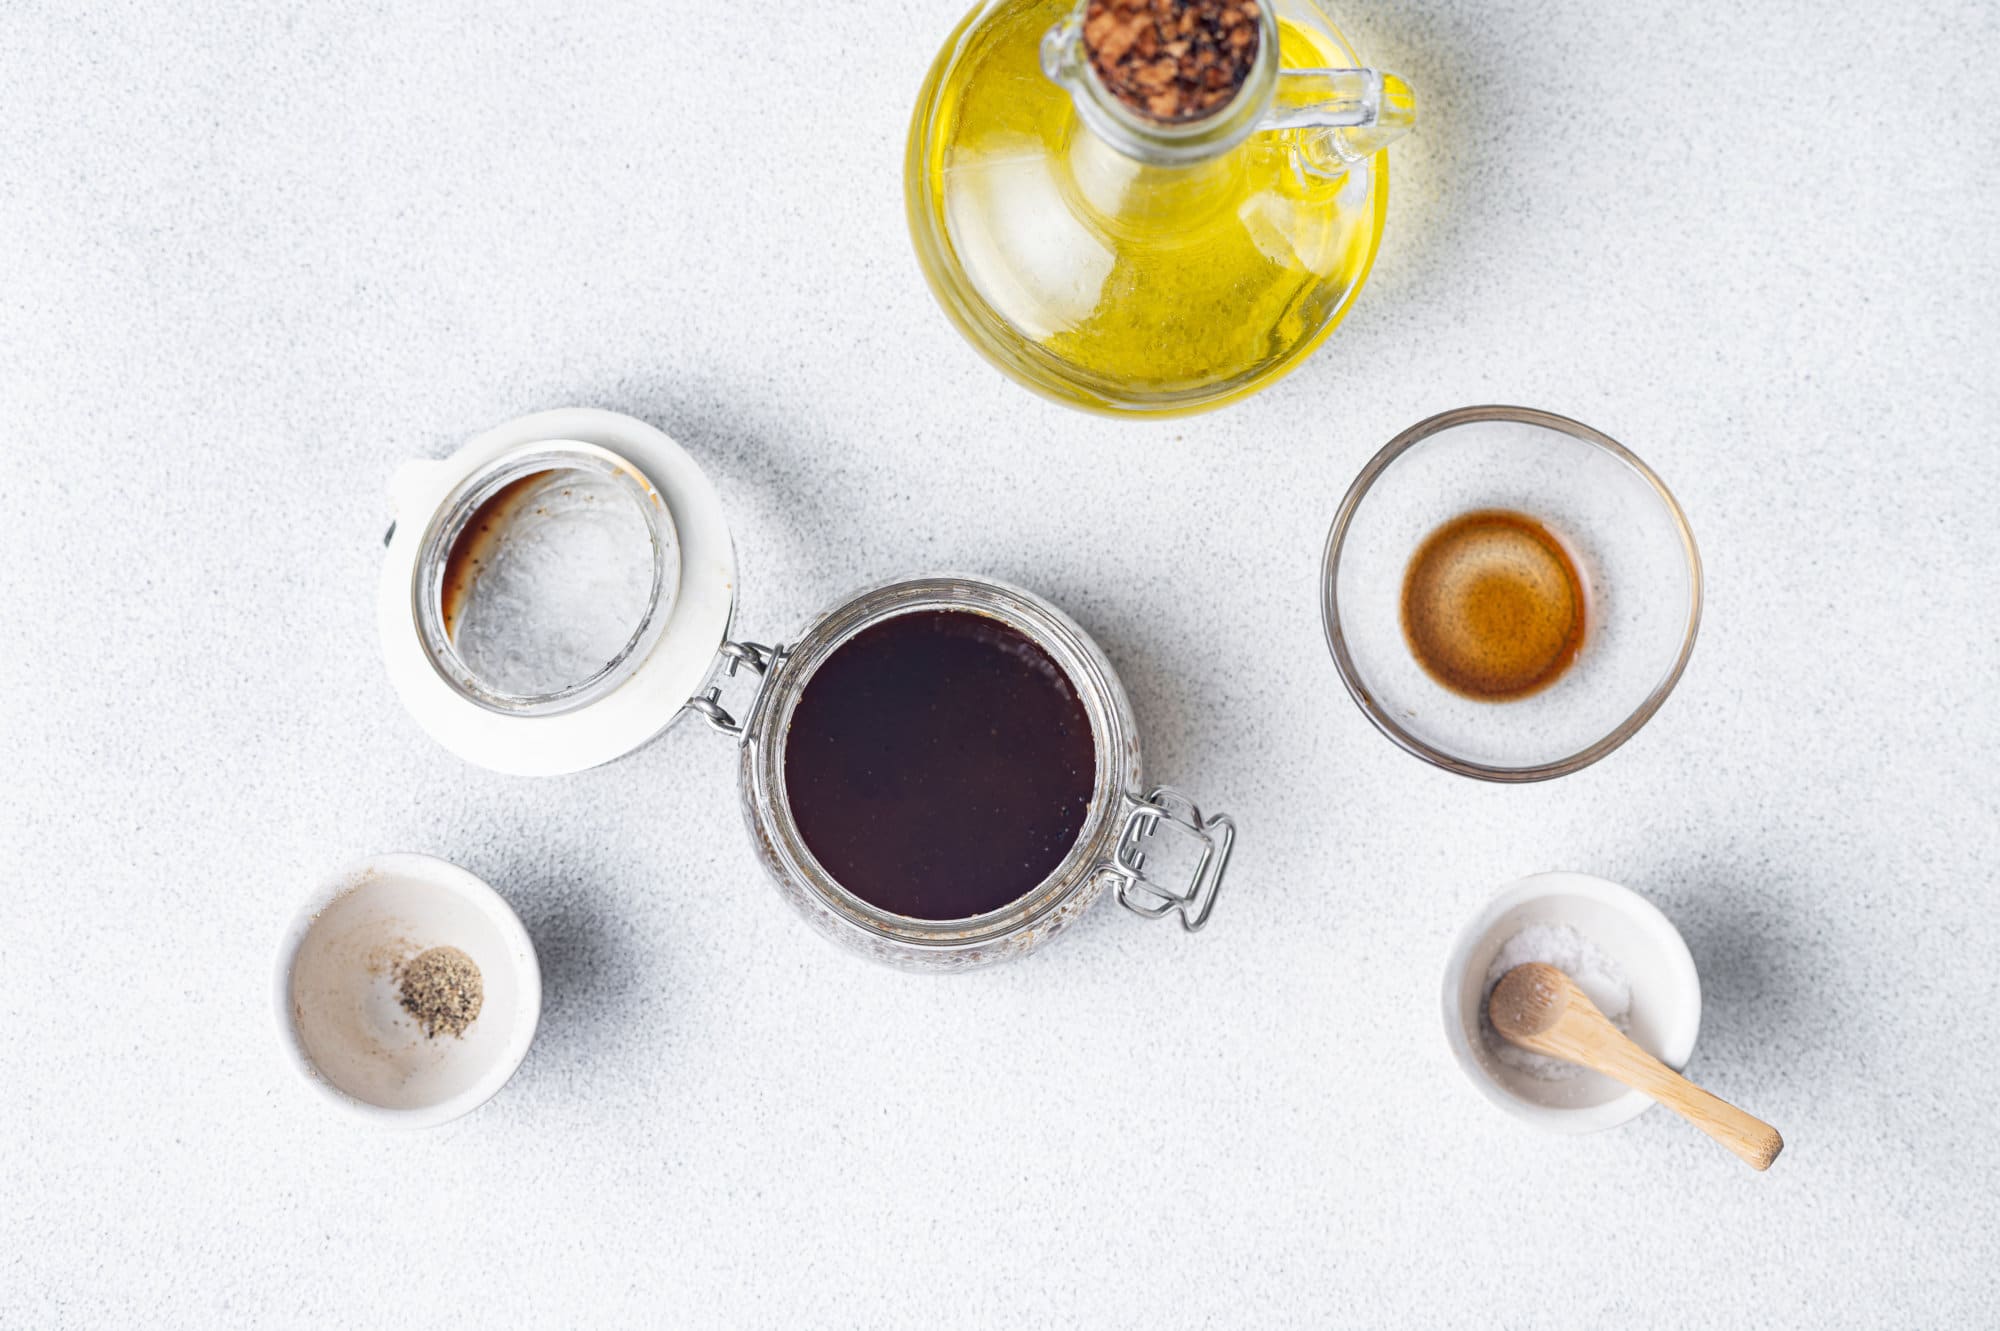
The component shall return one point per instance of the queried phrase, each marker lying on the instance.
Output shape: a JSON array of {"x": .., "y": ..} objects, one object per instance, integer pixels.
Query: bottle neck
[{"x": 1066, "y": 61}]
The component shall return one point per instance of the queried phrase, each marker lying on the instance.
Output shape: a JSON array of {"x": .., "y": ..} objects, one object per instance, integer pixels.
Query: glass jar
[
  {"x": 1110, "y": 851},
  {"x": 1136, "y": 266},
  {"x": 523, "y": 502}
]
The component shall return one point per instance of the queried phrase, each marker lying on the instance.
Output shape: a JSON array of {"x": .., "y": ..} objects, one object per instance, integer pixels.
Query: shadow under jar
[{"x": 939, "y": 771}]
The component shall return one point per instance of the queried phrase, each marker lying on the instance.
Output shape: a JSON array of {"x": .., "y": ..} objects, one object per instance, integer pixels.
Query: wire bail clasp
[
  {"x": 1165, "y": 806},
  {"x": 734, "y": 656}
]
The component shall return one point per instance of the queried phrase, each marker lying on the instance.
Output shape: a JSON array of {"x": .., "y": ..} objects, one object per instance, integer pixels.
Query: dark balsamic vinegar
[{"x": 939, "y": 764}]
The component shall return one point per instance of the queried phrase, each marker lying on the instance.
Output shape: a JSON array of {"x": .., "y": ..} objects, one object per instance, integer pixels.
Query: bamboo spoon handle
[
  {"x": 1541, "y": 1009},
  {"x": 1753, "y": 1140}
]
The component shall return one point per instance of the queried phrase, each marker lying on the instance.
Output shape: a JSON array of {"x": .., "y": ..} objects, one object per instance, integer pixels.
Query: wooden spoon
[{"x": 1540, "y": 1009}]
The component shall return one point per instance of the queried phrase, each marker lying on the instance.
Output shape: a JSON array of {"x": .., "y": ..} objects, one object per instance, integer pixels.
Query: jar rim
[{"x": 447, "y": 528}]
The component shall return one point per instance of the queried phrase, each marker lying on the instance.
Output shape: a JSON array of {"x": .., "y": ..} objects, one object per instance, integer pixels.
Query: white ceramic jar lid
[{"x": 671, "y": 652}]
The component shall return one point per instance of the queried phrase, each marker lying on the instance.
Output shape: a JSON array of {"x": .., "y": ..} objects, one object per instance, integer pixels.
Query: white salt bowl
[
  {"x": 1625, "y": 927},
  {"x": 340, "y": 1019}
]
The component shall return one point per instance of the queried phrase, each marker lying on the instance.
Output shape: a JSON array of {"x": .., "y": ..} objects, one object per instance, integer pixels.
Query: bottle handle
[{"x": 1361, "y": 112}]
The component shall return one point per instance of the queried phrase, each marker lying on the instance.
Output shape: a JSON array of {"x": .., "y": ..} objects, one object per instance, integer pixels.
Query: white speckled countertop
[{"x": 251, "y": 258}]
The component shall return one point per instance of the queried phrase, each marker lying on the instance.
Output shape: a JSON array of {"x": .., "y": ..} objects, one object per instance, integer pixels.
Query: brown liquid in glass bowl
[
  {"x": 1493, "y": 606},
  {"x": 939, "y": 765}
]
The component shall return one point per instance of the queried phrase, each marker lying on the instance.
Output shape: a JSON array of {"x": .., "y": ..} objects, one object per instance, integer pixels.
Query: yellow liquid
[{"x": 1109, "y": 284}]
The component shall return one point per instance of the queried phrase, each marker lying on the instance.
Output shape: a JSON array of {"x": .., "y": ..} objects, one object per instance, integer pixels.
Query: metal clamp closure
[
  {"x": 1140, "y": 894},
  {"x": 752, "y": 656}
]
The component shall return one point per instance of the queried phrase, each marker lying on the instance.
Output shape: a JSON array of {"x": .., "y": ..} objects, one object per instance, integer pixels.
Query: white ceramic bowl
[
  {"x": 339, "y": 1017},
  {"x": 1631, "y": 931}
]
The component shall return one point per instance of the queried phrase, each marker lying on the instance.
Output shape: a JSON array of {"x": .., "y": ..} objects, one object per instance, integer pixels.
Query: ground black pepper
[{"x": 441, "y": 988}]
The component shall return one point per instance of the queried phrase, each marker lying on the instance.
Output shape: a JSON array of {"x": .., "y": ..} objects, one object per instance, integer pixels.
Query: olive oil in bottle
[{"x": 1116, "y": 261}]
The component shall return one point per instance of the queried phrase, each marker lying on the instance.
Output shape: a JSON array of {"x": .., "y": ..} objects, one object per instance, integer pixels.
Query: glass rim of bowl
[{"x": 1350, "y": 674}]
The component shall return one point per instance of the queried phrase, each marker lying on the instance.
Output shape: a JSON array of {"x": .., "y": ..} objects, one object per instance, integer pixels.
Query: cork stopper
[{"x": 1172, "y": 60}]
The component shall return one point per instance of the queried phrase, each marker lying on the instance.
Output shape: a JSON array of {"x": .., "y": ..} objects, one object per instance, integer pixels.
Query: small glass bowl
[{"x": 1631, "y": 545}]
